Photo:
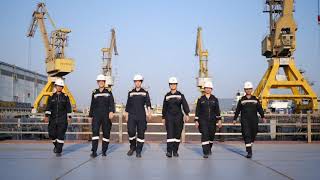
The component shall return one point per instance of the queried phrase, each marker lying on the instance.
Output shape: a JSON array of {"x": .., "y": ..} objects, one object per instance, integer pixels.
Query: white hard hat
[
  {"x": 138, "y": 77},
  {"x": 101, "y": 77},
  {"x": 59, "y": 82},
  {"x": 248, "y": 85},
  {"x": 208, "y": 84},
  {"x": 173, "y": 80}
]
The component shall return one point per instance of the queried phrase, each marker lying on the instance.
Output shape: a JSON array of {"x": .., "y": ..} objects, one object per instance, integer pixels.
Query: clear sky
[{"x": 157, "y": 39}]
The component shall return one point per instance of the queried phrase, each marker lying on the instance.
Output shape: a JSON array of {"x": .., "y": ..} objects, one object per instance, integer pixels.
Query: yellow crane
[
  {"x": 203, "y": 74},
  {"x": 57, "y": 65},
  {"x": 107, "y": 57},
  {"x": 279, "y": 46}
]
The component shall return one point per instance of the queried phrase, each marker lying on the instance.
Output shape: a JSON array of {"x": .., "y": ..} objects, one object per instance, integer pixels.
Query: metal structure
[
  {"x": 203, "y": 74},
  {"x": 107, "y": 59},
  {"x": 57, "y": 65},
  {"x": 279, "y": 45}
]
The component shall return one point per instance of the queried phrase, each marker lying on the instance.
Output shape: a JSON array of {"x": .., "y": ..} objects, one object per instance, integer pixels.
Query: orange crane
[{"x": 57, "y": 65}]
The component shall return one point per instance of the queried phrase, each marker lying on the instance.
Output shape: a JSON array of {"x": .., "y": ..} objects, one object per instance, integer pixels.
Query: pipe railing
[{"x": 273, "y": 125}]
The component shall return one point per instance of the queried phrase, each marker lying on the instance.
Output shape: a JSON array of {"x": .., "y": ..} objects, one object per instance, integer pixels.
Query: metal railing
[{"x": 302, "y": 121}]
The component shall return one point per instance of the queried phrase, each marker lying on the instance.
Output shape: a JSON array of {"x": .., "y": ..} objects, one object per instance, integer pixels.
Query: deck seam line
[
  {"x": 76, "y": 167},
  {"x": 257, "y": 162}
]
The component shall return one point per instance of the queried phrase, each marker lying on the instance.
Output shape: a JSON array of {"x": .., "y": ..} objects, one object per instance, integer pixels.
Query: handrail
[{"x": 273, "y": 124}]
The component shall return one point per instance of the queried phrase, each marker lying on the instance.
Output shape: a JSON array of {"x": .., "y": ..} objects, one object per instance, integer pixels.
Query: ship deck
[{"x": 271, "y": 160}]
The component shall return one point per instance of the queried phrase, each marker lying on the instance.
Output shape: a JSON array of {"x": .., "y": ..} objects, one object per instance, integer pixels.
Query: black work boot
[
  {"x": 169, "y": 154},
  {"x": 55, "y": 147},
  {"x": 93, "y": 154},
  {"x": 130, "y": 152},
  {"x": 175, "y": 154},
  {"x": 138, "y": 154},
  {"x": 104, "y": 148},
  {"x": 58, "y": 151},
  {"x": 210, "y": 149},
  {"x": 249, "y": 150},
  {"x": 206, "y": 150}
]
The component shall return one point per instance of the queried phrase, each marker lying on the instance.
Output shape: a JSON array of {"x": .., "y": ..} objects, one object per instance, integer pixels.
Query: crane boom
[
  {"x": 107, "y": 58},
  {"x": 203, "y": 74},
  {"x": 38, "y": 17}
]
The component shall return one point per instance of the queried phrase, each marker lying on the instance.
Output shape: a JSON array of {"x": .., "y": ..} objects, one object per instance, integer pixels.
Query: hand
[
  {"x": 69, "y": 120},
  {"x": 164, "y": 122},
  {"x": 264, "y": 120},
  {"x": 111, "y": 115},
  {"x": 234, "y": 122},
  {"x": 186, "y": 118},
  {"x": 46, "y": 119},
  {"x": 90, "y": 120},
  {"x": 219, "y": 124},
  {"x": 126, "y": 116},
  {"x": 197, "y": 124},
  {"x": 149, "y": 116}
]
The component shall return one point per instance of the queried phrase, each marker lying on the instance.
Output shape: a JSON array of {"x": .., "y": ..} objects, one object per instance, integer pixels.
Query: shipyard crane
[
  {"x": 57, "y": 65},
  {"x": 278, "y": 46},
  {"x": 107, "y": 59},
  {"x": 203, "y": 74}
]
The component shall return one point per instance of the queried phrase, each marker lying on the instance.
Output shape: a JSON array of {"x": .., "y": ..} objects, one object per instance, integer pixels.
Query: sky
[{"x": 156, "y": 38}]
